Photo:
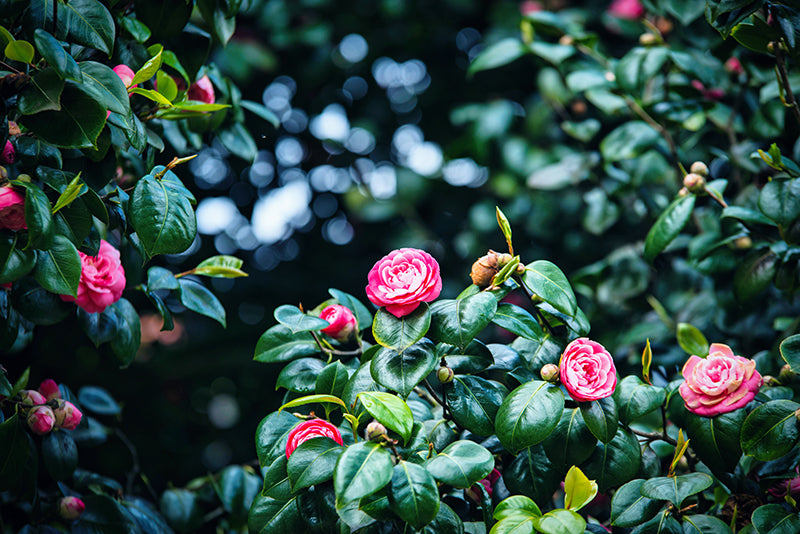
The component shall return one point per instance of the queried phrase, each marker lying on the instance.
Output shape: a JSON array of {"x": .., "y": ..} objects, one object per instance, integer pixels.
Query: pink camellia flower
[
  {"x": 403, "y": 279},
  {"x": 343, "y": 322},
  {"x": 8, "y": 155},
  {"x": 719, "y": 383},
  {"x": 49, "y": 389},
  {"x": 70, "y": 508},
  {"x": 530, "y": 6},
  {"x": 202, "y": 91},
  {"x": 313, "y": 428},
  {"x": 31, "y": 397},
  {"x": 41, "y": 420},
  {"x": 473, "y": 494},
  {"x": 68, "y": 416},
  {"x": 734, "y": 65},
  {"x": 125, "y": 74},
  {"x": 12, "y": 209},
  {"x": 102, "y": 280},
  {"x": 626, "y": 9},
  {"x": 587, "y": 370}
]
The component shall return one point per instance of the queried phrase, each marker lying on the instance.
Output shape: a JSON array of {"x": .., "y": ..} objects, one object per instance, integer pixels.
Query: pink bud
[
  {"x": 67, "y": 415},
  {"x": 49, "y": 389},
  {"x": 125, "y": 74},
  {"x": 530, "y": 6},
  {"x": 7, "y": 157},
  {"x": 32, "y": 397},
  {"x": 734, "y": 66},
  {"x": 626, "y": 9},
  {"x": 343, "y": 322},
  {"x": 71, "y": 508},
  {"x": 41, "y": 420},
  {"x": 202, "y": 91}
]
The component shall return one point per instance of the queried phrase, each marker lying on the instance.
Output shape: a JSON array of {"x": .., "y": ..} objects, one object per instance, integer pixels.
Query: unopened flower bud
[
  {"x": 786, "y": 375},
  {"x": 566, "y": 40},
  {"x": 694, "y": 182},
  {"x": 13, "y": 128},
  {"x": 41, "y": 420},
  {"x": 648, "y": 39},
  {"x": 375, "y": 431},
  {"x": 743, "y": 242},
  {"x": 484, "y": 269},
  {"x": 549, "y": 373},
  {"x": 734, "y": 66},
  {"x": 31, "y": 397},
  {"x": 67, "y": 415},
  {"x": 8, "y": 155},
  {"x": 445, "y": 375},
  {"x": 698, "y": 167},
  {"x": 49, "y": 389},
  {"x": 683, "y": 192},
  {"x": 343, "y": 324},
  {"x": 70, "y": 508}
]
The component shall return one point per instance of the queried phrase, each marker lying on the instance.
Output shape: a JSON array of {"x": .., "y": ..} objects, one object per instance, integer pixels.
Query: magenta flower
[{"x": 403, "y": 279}]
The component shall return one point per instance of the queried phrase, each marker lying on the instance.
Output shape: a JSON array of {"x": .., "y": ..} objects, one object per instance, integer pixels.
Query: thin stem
[
  {"x": 654, "y": 436},
  {"x": 329, "y": 351},
  {"x": 538, "y": 312},
  {"x": 435, "y": 397},
  {"x": 784, "y": 76},
  {"x": 663, "y": 132}
]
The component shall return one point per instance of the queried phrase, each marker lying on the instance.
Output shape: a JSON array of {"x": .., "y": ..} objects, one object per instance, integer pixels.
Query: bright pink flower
[
  {"x": 12, "y": 209},
  {"x": 125, "y": 74},
  {"x": 102, "y": 280},
  {"x": 49, "y": 389},
  {"x": 7, "y": 157},
  {"x": 626, "y": 9},
  {"x": 41, "y": 420},
  {"x": 789, "y": 487},
  {"x": 587, "y": 370},
  {"x": 403, "y": 279},
  {"x": 343, "y": 323},
  {"x": 719, "y": 383},
  {"x": 70, "y": 508},
  {"x": 473, "y": 494},
  {"x": 313, "y": 428},
  {"x": 68, "y": 416},
  {"x": 202, "y": 91},
  {"x": 32, "y": 397}
]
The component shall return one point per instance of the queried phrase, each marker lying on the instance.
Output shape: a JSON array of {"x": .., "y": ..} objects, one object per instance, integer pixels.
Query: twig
[
  {"x": 654, "y": 436},
  {"x": 784, "y": 75}
]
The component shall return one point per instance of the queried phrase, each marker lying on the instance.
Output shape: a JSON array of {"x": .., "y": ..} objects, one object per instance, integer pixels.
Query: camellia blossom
[
  {"x": 719, "y": 383},
  {"x": 403, "y": 279},
  {"x": 202, "y": 91},
  {"x": 626, "y": 9},
  {"x": 125, "y": 74},
  {"x": 8, "y": 155},
  {"x": 474, "y": 494},
  {"x": 68, "y": 416},
  {"x": 587, "y": 370},
  {"x": 102, "y": 280},
  {"x": 12, "y": 209},
  {"x": 49, "y": 388},
  {"x": 41, "y": 419},
  {"x": 71, "y": 508},
  {"x": 343, "y": 323},
  {"x": 313, "y": 428}
]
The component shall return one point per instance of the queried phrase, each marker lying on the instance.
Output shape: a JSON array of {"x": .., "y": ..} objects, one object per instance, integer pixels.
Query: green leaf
[
  {"x": 271, "y": 436},
  {"x": 628, "y": 141},
  {"x": 578, "y": 489},
  {"x": 716, "y": 440},
  {"x": 473, "y": 403},
  {"x": 38, "y": 216},
  {"x": 262, "y": 111},
  {"x": 515, "y": 504},
  {"x": 127, "y": 338},
  {"x": 692, "y": 340},
  {"x": 200, "y": 300},
  {"x": 497, "y": 55},
  {"x": 634, "y": 398},
  {"x": 106, "y": 87},
  {"x": 571, "y": 442},
  {"x": 14, "y": 263},
  {"x": 774, "y": 519},
  {"x": 614, "y": 463},
  {"x": 221, "y": 22},
  {"x": 754, "y": 274},
  {"x": 149, "y": 69},
  {"x": 162, "y": 215},
  {"x": 137, "y": 29},
  {"x": 77, "y": 123},
  {"x": 237, "y": 487},
  {"x": 413, "y": 495},
  {"x": 278, "y": 344},
  {"x": 518, "y": 321},
  {"x": 73, "y": 190},
  {"x": 313, "y": 399},
  {"x": 676, "y": 489},
  {"x": 780, "y": 200},
  {"x": 300, "y": 375},
  {"x": 235, "y": 138},
  {"x": 43, "y": 93},
  {"x": 155, "y": 96},
  {"x": 517, "y": 523},
  {"x": 457, "y": 322},
  {"x": 58, "y": 269},
  {"x": 296, "y": 321},
  {"x": 97, "y": 400},
  {"x": 60, "y": 454},
  {"x": 547, "y": 281},
  {"x": 389, "y": 410},
  {"x": 668, "y": 226},
  {"x": 182, "y": 509},
  {"x": 362, "y": 469},
  {"x": 363, "y": 316},
  {"x": 790, "y": 352},
  {"x": 402, "y": 372},
  {"x": 461, "y": 464},
  {"x": 332, "y": 380},
  {"x": 770, "y": 431},
  {"x": 639, "y": 66},
  {"x": 166, "y": 86},
  {"x": 14, "y": 452},
  {"x": 704, "y": 524},
  {"x": 399, "y": 334},
  {"x": 159, "y": 278},
  {"x": 533, "y": 474},
  {"x": 89, "y": 23},
  {"x": 560, "y": 522},
  {"x": 528, "y": 415},
  {"x": 55, "y": 55},
  {"x": 220, "y": 267},
  {"x": 601, "y": 418},
  {"x": 20, "y": 51},
  {"x": 630, "y": 508},
  {"x": 313, "y": 462},
  {"x": 745, "y": 215}
]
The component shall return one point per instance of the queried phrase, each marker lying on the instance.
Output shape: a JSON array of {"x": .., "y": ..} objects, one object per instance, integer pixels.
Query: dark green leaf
[
  {"x": 517, "y": 320},
  {"x": 278, "y": 344},
  {"x": 770, "y": 431},
  {"x": 635, "y": 398},
  {"x": 89, "y": 23},
  {"x": 704, "y": 524},
  {"x": 362, "y": 469},
  {"x": 754, "y": 274},
  {"x": 790, "y": 352},
  {"x": 774, "y": 519},
  {"x": 297, "y": 321},
  {"x": 182, "y": 509},
  {"x": 38, "y": 216},
  {"x": 473, "y": 402},
  {"x": 313, "y": 462},
  {"x": 14, "y": 263},
  {"x": 271, "y": 436},
  {"x": 300, "y": 375},
  {"x": 128, "y": 335},
  {"x": 528, "y": 415},
  {"x": 628, "y": 141},
  {"x": 601, "y": 418},
  {"x": 60, "y": 454},
  {"x": 58, "y": 269},
  {"x": 363, "y": 316},
  {"x": 269, "y": 516},
  {"x": 461, "y": 464},
  {"x": 332, "y": 379},
  {"x": 615, "y": 463},
  {"x": 262, "y": 111},
  {"x": 14, "y": 452},
  {"x": 716, "y": 439},
  {"x": 571, "y": 442},
  {"x": 97, "y": 400},
  {"x": 162, "y": 215},
  {"x": 668, "y": 226},
  {"x": 780, "y": 200},
  {"x": 676, "y": 488},
  {"x": 400, "y": 333},
  {"x": 402, "y": 372},
  {"x": 532, "y": 474},
  {"x": 497, "y": 55},
  {"x": 56, "y": 56},
  {"x": 106, "y": 87},
  {"x": 103, "y": 514},
  {"x": 76, "y": 125},
  {"x": 200, "y": 300},
  {"x": 43, "y": 93},
  {"x": 630, "y": 508},
  {"x": 548, "y": 282},
  {"x": 457, "y": 322},
  {"x": 413, "y": 495}
]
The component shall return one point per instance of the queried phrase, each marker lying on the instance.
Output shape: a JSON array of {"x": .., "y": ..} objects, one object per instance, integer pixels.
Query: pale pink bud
[
  {"x": 70, "y": 508},
  {"x": 125, "y": 74},
  {"x": 734, "y": 66},
  {"x": 49, "y": 389},
  {"x": 202, "y": 91},
  {"x": 32, "y": 397},
  {"x": 7, "y": 157},
  {"x": 41, "y": 420},
  {"x": 343, "y": 323},
  {"x": 67, "y": 415}
]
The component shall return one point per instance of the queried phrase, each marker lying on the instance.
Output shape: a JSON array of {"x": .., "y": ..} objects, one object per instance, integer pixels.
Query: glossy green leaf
[
  {"x": 182, "y": 509},
  {"x": 517, "y": 320},
  {"x": 237, "y": 488},
  {"x": 616, "y": 462},
  {"x": 754, "y": 274},
  {"x": 73, "y": 190},
  {"x": 571, "y": 442},
  {"x": 14, "y": 263},
  {"x": 159, "y": 278},
  {"x": 515, "y": 504},
  {"x": 692, "y": 340},
  {"x": 58, "y": 269},
  {"x": 662, "y": 523},
  {"x": 268, "y": 516},
  {"x": 152, "y": 95},
  {"x": 59, "y": 454},
  {"x": 461, "y": 464},
  {"x": 279, "y": 344},
  {"x": 601, "y": 418},
  {"x": 14, "y": 452},
  {"x": 166, "y": 86},
  {"x": 774, "y": 519},
  {"x": 548, "y": 282},
  {"x": 628, "y": 141},
  {"x": 634, "y": 398},
  {"x": 43, "y": 93},
  {"x": 639, "y": 66},
  {"x": 473, "y": 402},
  {"x": 261, "y": 111},
  {"x": 55, "y": 55},
  {"x": 413, "y": 495},
  {"x": 668, "y": 225},
  {"x": 300, "y": 376},
  {"x": 630, "y": 508},
  {"x": 104, "y": 514},
  {"x": 677, "y": 488},
  {"x": 38, "y": 216},
  {"x": 520, "y": 522},
  {"x": 127, "y": 338},
  {"x": 90, "y": 24},
  {"x": 271, "y": 436},
  {"x": 716, "y": 440},
  {"x": 770, "y": 431},
  {"x": 528, "y": 415},
  {"x": 362, "y": 469},
  {"x": 297, "y": 321},
  {"x": 445, "y": 521},
  {"x": 389, "y": 410},
  {"x": 475, "y": 358},
  {"x": 780, "y": 200},
  {"x": 77, "y": 123},
  {"x": 200, "y": 300},
  {"x": 578, "y": 489},
  {"x": 20, "y": 50},
  {"x": 312, "y": 462},
  {"x": 402, "y": 372},
  {"x": 312, "y": 399},
  {"x": 704, "y": 524},
  {"x": 332, "y": 380},
  {"x": 457, "y": 322},
  {"x": 106, "y": 86},
  {"x": 162, "y": 215},
  {"x": 400, "y": 333},
  {"x": 220, "y": 267},
  {"x": 533, "y": 474},
  {"x": 497, "y": 55},
  {"x": 560, "y": 522},
  {"x": 363, "y": 316},
  {"x": 790, "y": 352}
]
